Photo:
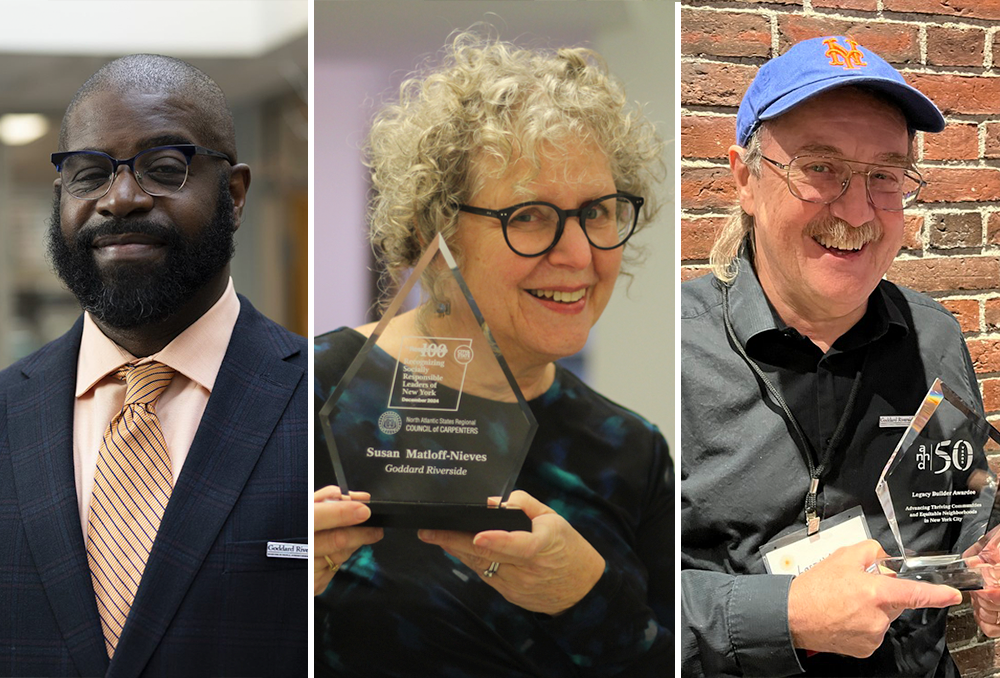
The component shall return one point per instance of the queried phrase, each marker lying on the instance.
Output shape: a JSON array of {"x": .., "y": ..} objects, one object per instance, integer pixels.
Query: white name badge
[
  {"x": 894, "y": 421},
  {"x": 280, "y": 549},
  {"x": 796, "y": 552}
]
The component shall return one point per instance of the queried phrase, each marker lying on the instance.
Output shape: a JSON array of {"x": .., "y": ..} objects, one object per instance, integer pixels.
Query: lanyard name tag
[
  {"x": 797, "y": 552},
  {"x": 894, "y": 421}
]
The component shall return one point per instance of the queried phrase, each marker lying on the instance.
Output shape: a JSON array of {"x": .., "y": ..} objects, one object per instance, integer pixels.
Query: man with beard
[
  {"x": 153, "y": 460},
  {"x": 799, "y": 364}
]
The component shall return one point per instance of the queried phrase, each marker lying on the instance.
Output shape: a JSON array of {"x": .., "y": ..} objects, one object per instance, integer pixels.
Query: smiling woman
[
  {"x": 535, "y": 170},
  {"x": 518, "y": 293}
]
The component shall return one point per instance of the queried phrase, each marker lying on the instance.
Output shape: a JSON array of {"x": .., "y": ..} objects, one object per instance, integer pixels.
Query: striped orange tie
[{"x": 131, "y": 489}]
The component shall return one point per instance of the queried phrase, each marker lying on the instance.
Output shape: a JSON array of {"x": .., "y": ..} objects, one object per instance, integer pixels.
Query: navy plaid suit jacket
[{"x": 210, "y": 602}]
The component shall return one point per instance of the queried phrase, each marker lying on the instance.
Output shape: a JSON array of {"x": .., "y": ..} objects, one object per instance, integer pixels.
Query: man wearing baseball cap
[{"x": 800, "y": 364}]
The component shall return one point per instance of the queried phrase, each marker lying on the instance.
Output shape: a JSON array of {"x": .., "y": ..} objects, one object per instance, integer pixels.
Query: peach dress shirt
[{"x": 196, "y": 354}]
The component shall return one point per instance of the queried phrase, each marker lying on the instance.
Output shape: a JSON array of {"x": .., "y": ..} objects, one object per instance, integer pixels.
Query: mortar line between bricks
[
  {"x": 772, "y": 22},
  {"x": 687, "y": 112},
  {"x": 916, "y": 69},
  {"x": 922, "y": 43},
  {"x": 988, "y": 48}
]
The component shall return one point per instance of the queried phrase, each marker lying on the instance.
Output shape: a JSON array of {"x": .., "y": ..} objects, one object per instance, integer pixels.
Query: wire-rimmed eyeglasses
[
  {"x": 159, "y": 171},
  {"x": 821, "y": 179},
  {"x": 533, "y": 228}
]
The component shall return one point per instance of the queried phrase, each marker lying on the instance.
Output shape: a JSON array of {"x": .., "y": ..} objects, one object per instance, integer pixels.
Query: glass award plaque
[
  {"x": 938, "y": 481},
  {"x": 428, "y": 418}
]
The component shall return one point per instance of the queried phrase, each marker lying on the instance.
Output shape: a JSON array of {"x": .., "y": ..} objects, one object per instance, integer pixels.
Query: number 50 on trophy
[{"x": 938, "y": 481}]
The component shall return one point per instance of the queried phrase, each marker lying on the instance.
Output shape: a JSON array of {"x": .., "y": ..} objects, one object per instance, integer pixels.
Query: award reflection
[
  {"x": 537, "y": 173},
  {"x": 984, "y": 555},
  {"x": 428, "y": 419},
  {"x": 425, "y": 336}
]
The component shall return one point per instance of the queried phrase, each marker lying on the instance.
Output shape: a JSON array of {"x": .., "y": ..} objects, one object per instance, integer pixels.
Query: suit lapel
[
  {"x": 40, "y": 429},
  {"x": 250, "y": 394}
]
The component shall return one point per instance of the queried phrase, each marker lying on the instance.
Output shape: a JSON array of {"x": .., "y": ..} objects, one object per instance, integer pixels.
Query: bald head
[{"x": 152, "y": 73}]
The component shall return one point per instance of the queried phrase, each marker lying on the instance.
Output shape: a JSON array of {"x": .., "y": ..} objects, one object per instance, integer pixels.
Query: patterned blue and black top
[{"x": 405, "y": 608}]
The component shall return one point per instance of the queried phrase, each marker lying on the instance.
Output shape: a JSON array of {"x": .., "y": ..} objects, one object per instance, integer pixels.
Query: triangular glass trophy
[
  {"x": 938, "y": 481},
  {"x": 428, "y": 418}
]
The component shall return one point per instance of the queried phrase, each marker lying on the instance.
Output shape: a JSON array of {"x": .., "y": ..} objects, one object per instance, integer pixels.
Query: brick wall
[{"x": 951, "y": 52}]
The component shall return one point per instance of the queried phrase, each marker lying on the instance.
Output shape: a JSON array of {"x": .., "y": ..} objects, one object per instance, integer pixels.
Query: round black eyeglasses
[
  {"x": 159, "y": 171},
  {"x": 533, "y": 228}
]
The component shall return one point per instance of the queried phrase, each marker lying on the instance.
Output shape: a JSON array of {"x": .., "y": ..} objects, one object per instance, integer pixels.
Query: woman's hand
[
  {"x": 547, "y": 570},
  {"x": 335, "y": 538}
]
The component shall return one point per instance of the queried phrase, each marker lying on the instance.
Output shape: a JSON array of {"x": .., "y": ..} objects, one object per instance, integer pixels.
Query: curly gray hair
[{"x": 490, "y": 104}]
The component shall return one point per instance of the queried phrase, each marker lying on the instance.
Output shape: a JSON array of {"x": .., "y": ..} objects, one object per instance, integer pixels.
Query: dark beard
[{"x": 132, "y": 295}]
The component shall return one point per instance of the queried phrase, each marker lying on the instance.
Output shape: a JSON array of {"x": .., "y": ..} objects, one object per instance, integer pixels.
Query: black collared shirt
[{"x": 744, "y": 477}]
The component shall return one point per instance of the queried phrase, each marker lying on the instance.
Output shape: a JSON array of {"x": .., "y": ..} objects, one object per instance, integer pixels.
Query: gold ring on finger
[{"x": 333, "y": 566}]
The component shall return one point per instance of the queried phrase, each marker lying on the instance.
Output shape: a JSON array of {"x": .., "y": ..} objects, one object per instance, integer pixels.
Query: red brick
[
  {"x": 728, "y": 34},
  {"x": 697, "y": 236},
  {"x": 969, "y": 94},
  {"x": 913, "y": 227},
  {"x": 962, "y": 626},
  {"x": 985, "y": 354},
  {"x": 944, "y": 274},
  {"x": 958, "y": 141},
  {"x": 896, "y": 43},
  {"x": 966, "y": 312},
  {"x": 692, "y": 272},
  {"x": 964, "y": 229},
  {"x": 959, "y": 184},
  {"x": 973, "y": 661},
  {"x": 969, "y": 9},
  {"x": 993, "y": 228},
  {"x": 991, "y": 394},
  {"x": 707, "y": 187},
  {"x": 991, "y": 448},
  {"x": 991, "y": 314},
  {"x": 712, "y": 84},
  {"x": 992, "y": 149},
  {"x": 863, "y": 5},
  {"x": 704, "y": 136},
  {"x": 912, "y": 231},
  {"x": 955, "y": 46}
]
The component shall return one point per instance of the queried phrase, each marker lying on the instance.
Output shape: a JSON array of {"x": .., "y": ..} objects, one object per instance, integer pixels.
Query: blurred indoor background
[
  {"x": 257, "y": 50},
  {"x": 363, "y": 50}
]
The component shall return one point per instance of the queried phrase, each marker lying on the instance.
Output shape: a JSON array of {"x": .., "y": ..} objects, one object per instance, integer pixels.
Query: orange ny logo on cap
[{"x": 839, "y": 56}]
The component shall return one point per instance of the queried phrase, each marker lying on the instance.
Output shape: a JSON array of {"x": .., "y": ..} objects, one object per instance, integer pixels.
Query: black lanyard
[{"x": 816, "y": 470}]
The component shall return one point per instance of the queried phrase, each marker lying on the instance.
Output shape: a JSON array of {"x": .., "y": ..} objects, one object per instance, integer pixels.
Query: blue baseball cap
[{"x": 817, "y": 65}]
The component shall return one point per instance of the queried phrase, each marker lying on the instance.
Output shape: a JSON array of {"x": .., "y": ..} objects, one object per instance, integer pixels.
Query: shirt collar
[
  {"x": 197, "y": 352},
  {"x": 752, "y": 314},
  {"x": 749, "y": 310}
]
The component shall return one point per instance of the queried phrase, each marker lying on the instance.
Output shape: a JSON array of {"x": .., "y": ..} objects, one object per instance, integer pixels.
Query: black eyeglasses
[
  {"x": 533, "y": 228},
  {"x": 815, "y": 178},
  {"x": 159, "y": 171}
]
